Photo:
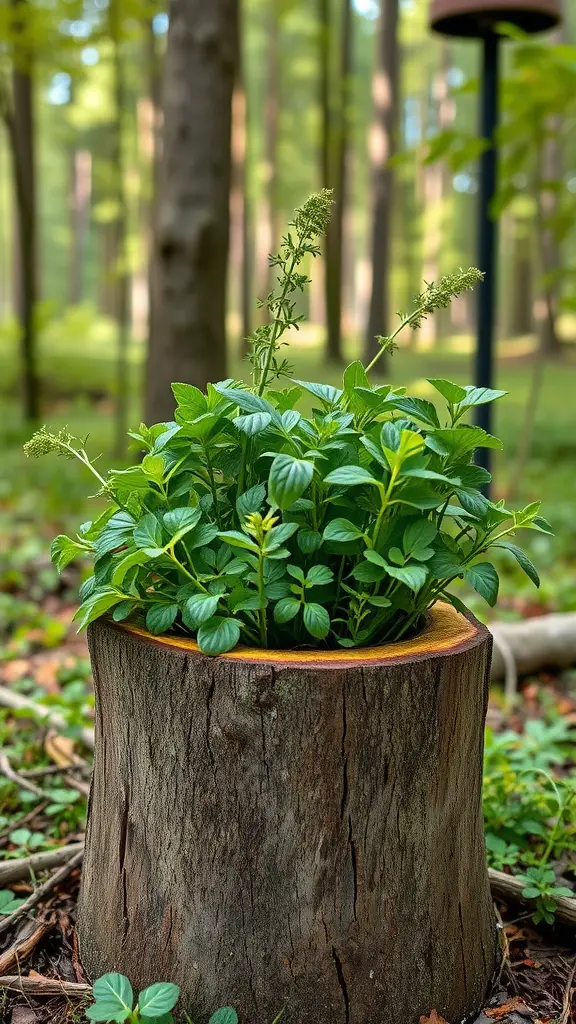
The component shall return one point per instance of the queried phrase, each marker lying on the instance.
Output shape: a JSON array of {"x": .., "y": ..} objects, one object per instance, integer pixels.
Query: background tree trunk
[
  {"x": 338, "y": 136},
  {"x": 298, "y": 829},
  {"x": 189, "y": 343},
  {"x": 385, "y": 107},
  {"x": 21, "y": 130},
  {"x": 79, "y": 209},
  {"x": 121, "y": 271}
]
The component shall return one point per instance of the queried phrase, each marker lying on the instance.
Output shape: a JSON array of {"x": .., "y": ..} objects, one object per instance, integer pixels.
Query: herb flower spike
[
  {"x": 248, "y": 521},
  {"x": 437, "y": 295}
]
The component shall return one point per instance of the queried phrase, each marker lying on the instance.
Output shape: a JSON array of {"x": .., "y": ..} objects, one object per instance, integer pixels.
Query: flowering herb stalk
[{"x": 248, "y": 521}]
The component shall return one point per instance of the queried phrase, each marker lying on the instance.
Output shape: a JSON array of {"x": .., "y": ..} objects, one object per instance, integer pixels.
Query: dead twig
[
  {"x": 7, "y": 770},
  {"x": 567, "y": 1001},
  {"x": 42, "y": 891},
  {"x": 54, "y": 769},
  {"x": 81, "y": 787},
  {"x": 39, "y": 987},
  {"x": 23, "y": 947},
  {"x": 16, "y": 870},
  {"x": 15, "y": 701}
]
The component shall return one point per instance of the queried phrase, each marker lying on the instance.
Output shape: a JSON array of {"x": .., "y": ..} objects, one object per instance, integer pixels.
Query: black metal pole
[{"x": 487, "y": 235}]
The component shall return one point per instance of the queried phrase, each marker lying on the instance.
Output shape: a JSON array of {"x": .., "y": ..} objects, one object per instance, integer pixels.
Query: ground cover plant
[{"x": 247, "y": 521}]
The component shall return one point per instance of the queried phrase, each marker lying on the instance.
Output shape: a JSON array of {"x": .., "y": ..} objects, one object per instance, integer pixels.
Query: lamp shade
[{"x": 479, "y": 17}]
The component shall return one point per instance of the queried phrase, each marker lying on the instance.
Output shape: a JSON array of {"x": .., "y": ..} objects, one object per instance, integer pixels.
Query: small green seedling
[
  {"x": 8, "y": 902},
  {"x": 114, "y": 1001},
  {"x": 540, "y": 886}
]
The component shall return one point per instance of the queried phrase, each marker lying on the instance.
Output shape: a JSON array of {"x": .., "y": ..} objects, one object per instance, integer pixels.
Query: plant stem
[
  {"x": 262, "y": 611},
  {"x": 279, "y": 324}
]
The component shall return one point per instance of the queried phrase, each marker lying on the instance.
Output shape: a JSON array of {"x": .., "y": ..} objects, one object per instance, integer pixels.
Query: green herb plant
[{"x": 249, "y": 520}]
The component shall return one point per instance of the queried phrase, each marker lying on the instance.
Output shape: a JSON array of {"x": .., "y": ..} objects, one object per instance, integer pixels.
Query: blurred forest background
[{"x": 357, "y": 95}]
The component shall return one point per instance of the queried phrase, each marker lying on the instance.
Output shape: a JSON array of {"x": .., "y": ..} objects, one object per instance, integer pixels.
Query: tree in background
[
  {"x": 189, "y": 342},
  {"x": 385, "y": 114},
  {"x": 17, "y": 111},
  {"x": 335, "y": 116}
]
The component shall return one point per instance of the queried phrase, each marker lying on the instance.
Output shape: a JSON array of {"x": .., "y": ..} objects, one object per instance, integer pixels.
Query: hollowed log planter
[{"x": 275, "y": 828}]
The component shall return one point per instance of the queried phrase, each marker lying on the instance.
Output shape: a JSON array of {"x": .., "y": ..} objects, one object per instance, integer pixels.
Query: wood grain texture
[{"x": 272, "y": 834}]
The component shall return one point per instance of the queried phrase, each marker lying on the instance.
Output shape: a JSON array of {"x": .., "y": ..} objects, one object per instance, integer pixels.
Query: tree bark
[
  {"x": 80, "y": 164},
  {"x": 338, "y": 131},
  {"x": 193, "y": 215},
  {"x": 19, "y": 120},
  {"x": 385, "y": 103},
  {"x": 121, "y": 270},
  {"x": 298, "y": 829}
]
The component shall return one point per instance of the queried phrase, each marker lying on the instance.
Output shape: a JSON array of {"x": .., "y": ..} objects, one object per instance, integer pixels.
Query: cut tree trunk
[{"x": 292, "y": 828}]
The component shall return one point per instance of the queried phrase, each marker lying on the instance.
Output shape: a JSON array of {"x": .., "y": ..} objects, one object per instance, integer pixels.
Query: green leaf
[
  {"x": 134, "y": 558},
  {"x": 319, "y": 576},
  {"x": 64, "y": 550},
  {"x": 366, "y": 572},
  {"x": 154, "y": 467},
  {"x": 473, "y": 501},
  {"x": 166, "y": 1018},
  {"x": 342, "y": 531},
  {"x": 522, "y": 558},
  {"x": 181, "y": 520},
  {"x": 458, "y": 441},
  {"x": 191, "y": 402},
  {"x": 114, "y": 991},
  {"x": 309, "y": 541},
  {"x": 325, "y": 392},
  {"x": 248, "y": 401},
  {"x": 218, "y": 635},
  {"x": 530, "y": 892},
  {"x": 418, "y": 534},
  {"x": 414, "y": 576},
  {"x": 101, "y": 1012},
  {"x": 198, "y": 609},
  {"x": 453, "y": 393},
  {"x": 201, "y": 536},
  {"x": 99, "y": 602},
  {"x": 350, "y": 476},
  {"x": 316, "y": 620},
  {"x": 278, "y": 535},
  {"x": 355, "y": 376},
  {"x": 286, "y": 609},
  {"x": 225, "y": 1015},
  {"x": 251, "y": 501},
  {"x": 254, "y": 423},
  {"x": 123, "y": 610},
  {"x": 160, "y": 617},
  {"x": 289, "y": 478},
  {"x": 418, "y": 409},
  {"x": 8, "y": 902},
  {"x": 116, "y": 533},
  {"x": 158, "y": 999},
  {"x": 148, "y": 532},
  {"x": 479, "y": 396},
  {"x": 238, "y": 540},
  {"x": 484, "y": 578}
]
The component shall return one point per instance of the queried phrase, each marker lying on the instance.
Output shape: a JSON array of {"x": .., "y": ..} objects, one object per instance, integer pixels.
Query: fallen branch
[
  {"x": 39, "y": 987},
  {"x": 16, "y": 870},
  {"x": 53, "y": 769},
  {"x": 23, "y": 947},
  {"x": 42, "y": 891},
  {"x": 545, "y": 640},
  {"x": 509, "y": 888},
  {"x": 15, "y": 701},
  {"x": 7, "y": 770}
]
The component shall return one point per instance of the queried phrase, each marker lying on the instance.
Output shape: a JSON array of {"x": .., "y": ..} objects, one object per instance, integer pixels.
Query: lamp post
[{"x": 479, "y": 19}]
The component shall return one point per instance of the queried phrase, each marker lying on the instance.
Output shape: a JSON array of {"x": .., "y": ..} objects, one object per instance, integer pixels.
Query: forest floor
[{"x": 41, "y": 658}]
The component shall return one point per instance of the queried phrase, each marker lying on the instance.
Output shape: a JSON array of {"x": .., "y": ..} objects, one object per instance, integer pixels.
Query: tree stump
[{"x": 292, "y": 828}]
